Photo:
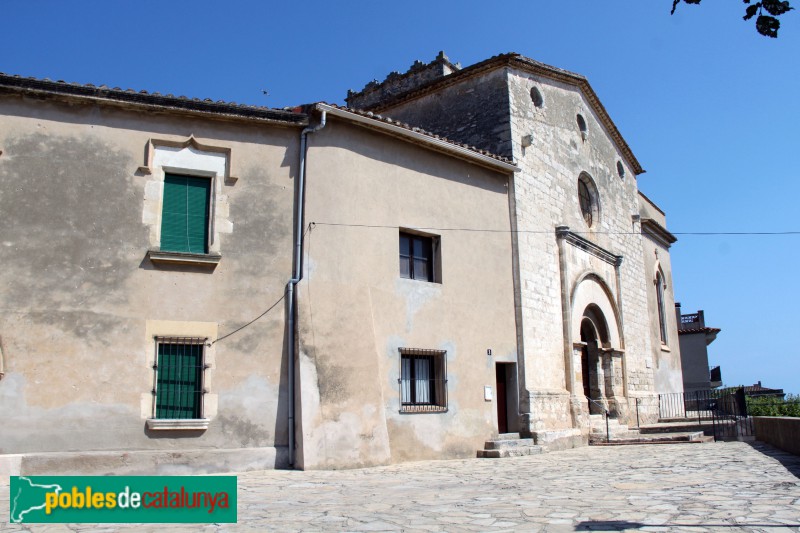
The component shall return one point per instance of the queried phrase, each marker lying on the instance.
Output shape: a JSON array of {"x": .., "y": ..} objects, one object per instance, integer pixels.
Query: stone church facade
[
  {"x": 584, "y": 270},
  {"x": 460, "y": 252}
]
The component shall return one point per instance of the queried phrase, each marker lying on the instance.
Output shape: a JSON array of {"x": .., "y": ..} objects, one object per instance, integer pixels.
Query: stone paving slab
[{"x": 731, "y": 486}]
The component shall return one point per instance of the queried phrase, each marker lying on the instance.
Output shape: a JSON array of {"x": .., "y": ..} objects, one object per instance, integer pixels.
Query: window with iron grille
[
  {"x": 418, "y": 256},
  {"x": 423, "y": 381},
  {"x": 179, "y": 371}
]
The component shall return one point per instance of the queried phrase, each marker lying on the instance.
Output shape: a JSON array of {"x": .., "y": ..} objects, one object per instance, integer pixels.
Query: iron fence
[{"x": 725, "y": 409}]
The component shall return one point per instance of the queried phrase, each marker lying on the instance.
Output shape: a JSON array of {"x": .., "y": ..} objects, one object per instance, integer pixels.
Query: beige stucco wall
[
  {"x": 667, "y": 356},
  {"x": 356, "y": 311},
  {"x": 78, "y": 292}
]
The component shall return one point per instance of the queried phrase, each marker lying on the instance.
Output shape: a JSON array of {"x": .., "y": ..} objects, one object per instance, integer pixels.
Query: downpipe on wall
[{"x": 298, "y": 275}]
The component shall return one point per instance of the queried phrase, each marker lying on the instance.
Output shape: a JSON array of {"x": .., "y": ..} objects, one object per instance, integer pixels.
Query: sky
[{"x": 710, "y": 108}]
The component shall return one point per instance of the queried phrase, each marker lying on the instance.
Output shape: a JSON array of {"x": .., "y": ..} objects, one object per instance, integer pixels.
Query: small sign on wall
[{"x": 487, "y": 393}]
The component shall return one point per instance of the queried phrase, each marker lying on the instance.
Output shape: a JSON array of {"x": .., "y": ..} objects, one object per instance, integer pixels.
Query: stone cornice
[
  {"x": 657, "y": 232},
  {"x": 563, "y": 232}
]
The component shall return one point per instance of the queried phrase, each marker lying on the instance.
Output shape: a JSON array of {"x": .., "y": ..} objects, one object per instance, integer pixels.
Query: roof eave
[
  {"x": 153, "y": 102},
  {"x": 416, "y": 137}
]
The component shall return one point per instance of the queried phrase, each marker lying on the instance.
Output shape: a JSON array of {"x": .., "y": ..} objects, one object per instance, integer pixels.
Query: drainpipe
[{"x": 298, "y": 256}]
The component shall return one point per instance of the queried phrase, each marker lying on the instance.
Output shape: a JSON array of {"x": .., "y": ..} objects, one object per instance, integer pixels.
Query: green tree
[{"x": 765, "y": 11}]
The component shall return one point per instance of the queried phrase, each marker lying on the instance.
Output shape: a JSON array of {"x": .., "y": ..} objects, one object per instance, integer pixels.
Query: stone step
[
  {"x": 673, "y": 427},
  {"x": 517, "y": 451},
  {"x": 501, "y": 444},
  {"x": 660, "y": 438}
]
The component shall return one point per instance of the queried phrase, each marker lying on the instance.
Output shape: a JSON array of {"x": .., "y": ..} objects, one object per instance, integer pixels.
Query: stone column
[{"x": 612, "y": 362}]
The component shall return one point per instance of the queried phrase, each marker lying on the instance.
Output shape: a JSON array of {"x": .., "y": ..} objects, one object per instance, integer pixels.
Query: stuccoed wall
[
  {"x": 694, "y": 353},
  {"x": 356, "y": 311},
  {"x": 77, "y": 289},
  {"x": 668, "y": 375}
]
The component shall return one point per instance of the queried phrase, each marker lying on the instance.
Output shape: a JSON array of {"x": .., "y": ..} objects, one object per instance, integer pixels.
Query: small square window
[
  {"x": 418, "y": 257},
  {"x": 179, "y": 372},
  {"x": 423, "y": 381}
]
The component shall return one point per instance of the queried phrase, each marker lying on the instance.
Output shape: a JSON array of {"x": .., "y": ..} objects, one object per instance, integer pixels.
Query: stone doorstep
[
  {"x": 510, "y": 452},
  {"x": 507, "y": 443}
]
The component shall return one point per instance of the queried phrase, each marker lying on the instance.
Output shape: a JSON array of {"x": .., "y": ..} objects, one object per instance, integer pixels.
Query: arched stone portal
[{"x": 598, "y": 354}]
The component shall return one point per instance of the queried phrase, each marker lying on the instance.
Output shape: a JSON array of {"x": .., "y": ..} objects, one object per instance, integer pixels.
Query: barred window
[
  {"x": 423, "y": 381},
  {"x": 179, "y": 371}
]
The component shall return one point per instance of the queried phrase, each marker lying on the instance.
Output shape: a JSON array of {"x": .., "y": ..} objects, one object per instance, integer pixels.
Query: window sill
[
  {"x": 422, "y": 409},
  {"x": 665, "y": 348},
  {"x": 183, "y": 258},
  {"x": 178, "y": 423}
]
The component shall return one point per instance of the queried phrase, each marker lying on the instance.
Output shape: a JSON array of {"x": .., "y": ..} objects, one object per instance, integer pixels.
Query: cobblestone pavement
[{"x": 677, "y": 487}]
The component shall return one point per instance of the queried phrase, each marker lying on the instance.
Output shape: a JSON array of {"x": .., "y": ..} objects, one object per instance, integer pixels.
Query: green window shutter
[
  {"x": 185, "y": 212},
  {"x": 179, "y": 381}
]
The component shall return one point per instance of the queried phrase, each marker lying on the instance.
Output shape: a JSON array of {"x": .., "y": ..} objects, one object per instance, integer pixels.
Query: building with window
[
  {"x": 695, "y": 337},
  {"x": 197, "y": 286}
]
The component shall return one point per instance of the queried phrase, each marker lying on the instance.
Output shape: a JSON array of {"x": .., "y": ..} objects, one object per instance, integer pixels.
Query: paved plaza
[{"x": 730, "y": 486}]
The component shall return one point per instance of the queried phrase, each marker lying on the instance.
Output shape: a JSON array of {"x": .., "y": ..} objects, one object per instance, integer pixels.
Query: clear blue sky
[{"x": 710, "y": 108}]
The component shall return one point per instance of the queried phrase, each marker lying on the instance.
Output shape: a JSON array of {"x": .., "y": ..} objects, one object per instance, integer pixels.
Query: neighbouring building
[
  {"x": 196, "y": 286},
  {"x": 695, "y": 337}
]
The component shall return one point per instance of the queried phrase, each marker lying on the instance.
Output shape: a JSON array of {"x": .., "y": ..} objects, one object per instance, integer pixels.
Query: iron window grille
[
  {"x": 423, "y": 381},
  {"x": 179, "y": 372}
]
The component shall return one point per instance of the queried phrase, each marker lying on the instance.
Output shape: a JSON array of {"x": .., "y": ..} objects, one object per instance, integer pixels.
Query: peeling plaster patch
[
  {"x": 71, "y": 426},
  {"x": 416, "y": 294},
  {"x": 67, "y": 229},
  {"x": 242, "y": 410}
]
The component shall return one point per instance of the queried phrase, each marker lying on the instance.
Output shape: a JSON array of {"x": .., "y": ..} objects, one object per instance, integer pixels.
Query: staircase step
[
  {"x": 517, "y": 451},
  {"x": 501, "y": 444},
  {"x": 659, "y": 438}
]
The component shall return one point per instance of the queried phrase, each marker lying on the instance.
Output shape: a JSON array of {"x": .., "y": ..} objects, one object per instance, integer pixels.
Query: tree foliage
[
  {"x": 774, "y": 406},
  {"x": 765, "y": 11}
]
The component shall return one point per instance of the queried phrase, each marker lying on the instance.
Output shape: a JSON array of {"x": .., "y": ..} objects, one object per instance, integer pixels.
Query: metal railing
[{"x": 725, "y": 409}]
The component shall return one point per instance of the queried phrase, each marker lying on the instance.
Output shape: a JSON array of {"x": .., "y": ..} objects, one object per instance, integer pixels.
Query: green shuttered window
[
  {"x": 184, "y": 217},
  {"x": 179, "y": 378}
]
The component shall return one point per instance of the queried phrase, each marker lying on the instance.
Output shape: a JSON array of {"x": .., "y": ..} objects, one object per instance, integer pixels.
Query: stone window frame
[
  {"x": 156, "y": 331},
  {"x": 188, "y": 157},
  {"x": 434, "y": 392},
  {"x": 661, "y": 287}
]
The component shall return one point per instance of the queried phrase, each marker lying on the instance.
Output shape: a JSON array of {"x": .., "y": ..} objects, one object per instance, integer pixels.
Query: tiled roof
[
  {"x": 415, "y": 129},
  {"x": 19, "y": 84}
]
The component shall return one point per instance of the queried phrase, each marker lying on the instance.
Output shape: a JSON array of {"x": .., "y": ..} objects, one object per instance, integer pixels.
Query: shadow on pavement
[{"x": 788, "y": 460}]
